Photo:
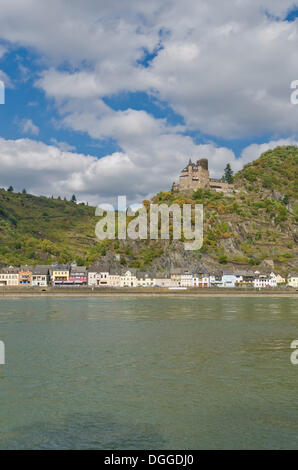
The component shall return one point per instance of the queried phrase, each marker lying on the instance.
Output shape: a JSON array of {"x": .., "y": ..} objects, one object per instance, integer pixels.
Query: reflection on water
[{"x": 148, "y": 373}]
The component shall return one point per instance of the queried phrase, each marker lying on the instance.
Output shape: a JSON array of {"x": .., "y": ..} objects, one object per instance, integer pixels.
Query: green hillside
[
  {"x": 275, "y": 170},
  {"x": 42, "y": 230},
  {"x": 254, "y": 225}
]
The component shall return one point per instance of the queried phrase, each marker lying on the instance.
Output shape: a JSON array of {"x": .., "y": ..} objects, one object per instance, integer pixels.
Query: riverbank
[{"x": 8, "y": 292}]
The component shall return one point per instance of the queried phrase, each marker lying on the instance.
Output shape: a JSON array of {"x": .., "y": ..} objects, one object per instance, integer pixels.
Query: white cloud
[
  {"x": 45, "y": 169},
  {"x": 28, "y": 127},
  {"x": 253, "y": 151},
  {"x": 226, "y": 68}
]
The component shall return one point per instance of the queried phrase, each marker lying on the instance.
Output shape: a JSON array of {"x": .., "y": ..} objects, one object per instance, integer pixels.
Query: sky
[{"x": 107, "y": 98}]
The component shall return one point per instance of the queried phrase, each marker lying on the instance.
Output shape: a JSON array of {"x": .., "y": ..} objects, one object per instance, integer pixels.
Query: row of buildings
[{"x": 73, "y": 275}]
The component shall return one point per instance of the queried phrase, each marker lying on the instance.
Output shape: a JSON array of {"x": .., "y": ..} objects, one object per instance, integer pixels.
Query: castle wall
[{"x": 221, "y": 185}]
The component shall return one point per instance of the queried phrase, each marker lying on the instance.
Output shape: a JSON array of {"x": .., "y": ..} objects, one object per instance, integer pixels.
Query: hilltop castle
[{"x": 196, "y": 175}]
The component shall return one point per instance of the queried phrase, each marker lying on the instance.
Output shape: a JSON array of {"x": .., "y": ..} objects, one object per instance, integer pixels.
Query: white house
[
  {"x": 40, "y": 276},
  {"x": 229, "y": 280},
  {"x": 92, "y": 278},
  {"x": 9, "y": 277},
  {"x": 265, "y": 280},
  {"x": 129, "y": 279},
  {"x": 202, "y": 280},
  {"x": 98, "y": 279},
  {"x": 145, "y": 279},
  {"x": 226, "y": 279},
  {"x": 293, "y": 280},
  {"x": 186, "y": 279},
  {"x": 162, "y": 280}
]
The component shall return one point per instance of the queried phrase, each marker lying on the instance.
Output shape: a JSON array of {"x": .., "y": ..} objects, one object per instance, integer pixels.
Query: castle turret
[{"x": 203, "y": 162}]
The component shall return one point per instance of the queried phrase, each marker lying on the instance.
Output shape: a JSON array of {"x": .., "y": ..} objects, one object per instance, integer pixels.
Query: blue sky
[{"x": 116, "y": 98}]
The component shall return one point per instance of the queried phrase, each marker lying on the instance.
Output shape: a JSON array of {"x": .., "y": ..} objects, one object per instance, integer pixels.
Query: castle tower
[{"x": 194, "y": 175}]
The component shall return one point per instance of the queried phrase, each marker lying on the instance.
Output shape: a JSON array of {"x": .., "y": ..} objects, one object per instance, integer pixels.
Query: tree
[
  {"x": 73, "y": 198},
  {"x": 24, "y": 191},
  {"x": 10, "y": 189},
  {"x": 286, "y": 199},
  {"x": 228, "y": 176}
]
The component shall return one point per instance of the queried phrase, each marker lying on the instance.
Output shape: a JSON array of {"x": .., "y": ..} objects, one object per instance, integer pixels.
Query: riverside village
[{"x": 192, "y": 177}]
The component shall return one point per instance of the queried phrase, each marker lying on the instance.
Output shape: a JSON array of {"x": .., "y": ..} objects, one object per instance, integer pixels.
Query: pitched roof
[
  {"x": 41, "y": 269},
  {"x": 78, "y": 269},
  {"x": 9, "y": 270},
  {"x": 145, "y": 275}
]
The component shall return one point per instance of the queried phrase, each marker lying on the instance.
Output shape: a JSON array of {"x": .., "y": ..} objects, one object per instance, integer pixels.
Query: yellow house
[
  {"x": 280, "y": 279},
  {"x": 60, "y": 274}
]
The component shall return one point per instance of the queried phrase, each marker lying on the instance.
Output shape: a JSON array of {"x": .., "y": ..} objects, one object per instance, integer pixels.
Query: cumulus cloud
[
  {"x": 45, "y": 169},
  {"x": 28, "y": 127},
  {"x": 225, "y": 67}
]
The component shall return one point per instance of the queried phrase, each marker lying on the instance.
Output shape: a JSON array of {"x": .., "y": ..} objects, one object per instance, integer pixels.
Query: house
[
  {"x": 128, "y": 278},
  {"x": 215, "y": 279},
  {"x": 78, "y": 275},
  {"x": 280, "y": 279},
  {"x": 176, "y": 274},
  {"x": 229, "y": 279},
  {"x": 9, "y": 276},
  {"x": 92, "y": 278},
  {"x": 114, "y": 278},
  {"x": 201, "y": 278},
  {"x": 293, "y": 280},
  {"x": 40, "y": 276},
  {"x": 145, "y": 279},
  {"x": 98, "y": 279},
  {"x": 162, "y": 280},
  {"x": 265, "y": 280},
  {"x": 244, "y": 278},
  {"x": 25, "y": 276},
  {"x": 103, "y": 279},
  {"x": 60, "y": 275},
  {"x": 186, "y": 279}
]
